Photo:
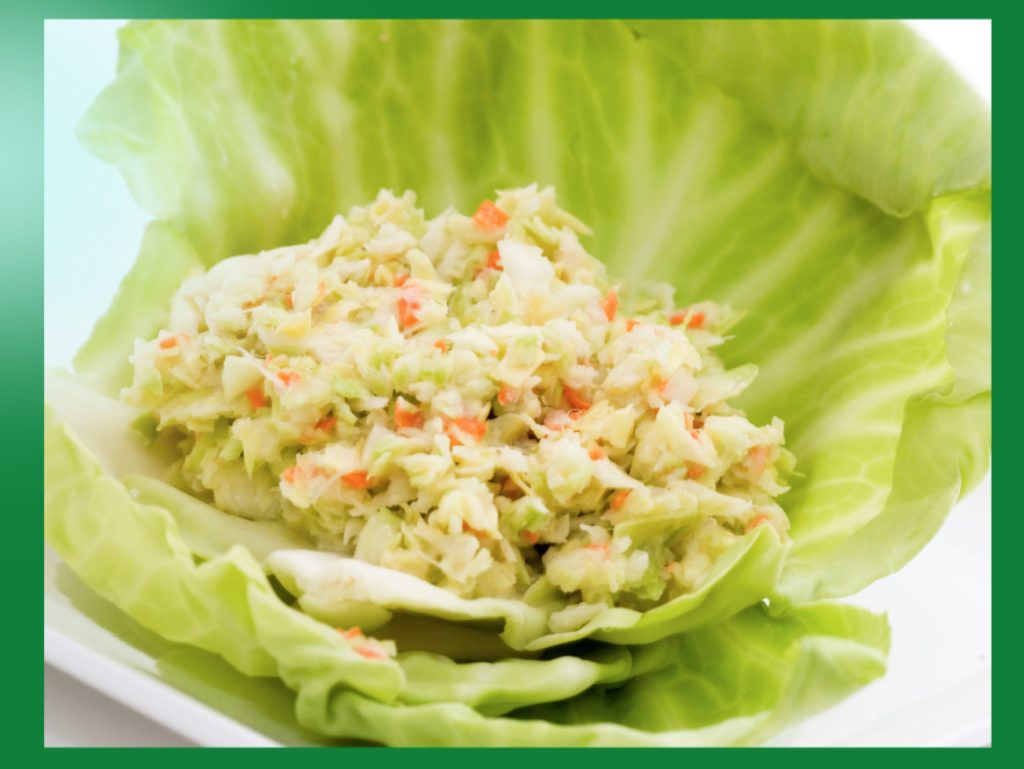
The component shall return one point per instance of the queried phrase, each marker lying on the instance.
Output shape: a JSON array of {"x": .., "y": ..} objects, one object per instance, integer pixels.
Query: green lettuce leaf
[
  {"x": 733, "y": 682},
  {"x": 329, "y": 585},
  {"x": 132, "y": 554},
  {"x": 155, "y": 553},
  {"x": 346, "y": 592},
  {"x": 830, "y": 178}
]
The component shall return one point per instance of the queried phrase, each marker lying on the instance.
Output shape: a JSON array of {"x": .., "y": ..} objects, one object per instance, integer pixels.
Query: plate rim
[{"x": 180, "y": 713}]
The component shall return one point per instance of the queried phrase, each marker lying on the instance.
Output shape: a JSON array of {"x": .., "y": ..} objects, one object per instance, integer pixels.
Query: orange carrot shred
[
  {"x": 168, "y": 342},
  {"x": 494, "y": 261},
  {"x": 400, "y": 279},
  {"x": 507, "y": 395},
  {"x": 531, "y": 537},
  {"x": 441, "y": 344},
  {"x": 407, "y": 312},
  {"x": 288, "y": 378},
  {"x": 256, "y": 397},
  {"x": 596, "y": 453},
  {"x": 290, "y": 474},
  {"x": 475, "y": 428},
  {"x": 475, "y": 532},
  {"x": 407, "y": 417},
  {"x": 327, "y": 423},
  {"x": 611, "y": 304},
  {"x": 370, "y": 653},
  {"x": 695, "y": 471},
  {"x": 574, "y": 399},
  {"x": 696, "y": 319},
  {"x": 631, "y": 323},
  {"x": 619, "y": 499},
  {"x": 489, "y": 217},
  {"x": 756, "y": 521},
  {"x": 757, "y": 459},
  {"x": 357, "y": 479}
]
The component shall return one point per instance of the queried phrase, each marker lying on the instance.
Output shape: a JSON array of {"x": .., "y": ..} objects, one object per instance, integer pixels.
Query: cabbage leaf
[{"x": 831, "y": 179}]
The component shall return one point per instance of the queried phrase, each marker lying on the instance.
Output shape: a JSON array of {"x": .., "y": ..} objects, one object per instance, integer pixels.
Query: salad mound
[{"x": 466, "y": 399}]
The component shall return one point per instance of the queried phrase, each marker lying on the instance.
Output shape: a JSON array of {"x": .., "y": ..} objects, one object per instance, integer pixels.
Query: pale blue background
[{"x": 93, "y": 227}]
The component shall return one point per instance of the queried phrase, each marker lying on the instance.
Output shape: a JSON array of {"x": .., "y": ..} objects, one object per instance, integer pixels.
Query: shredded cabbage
[{"x": 467, "y": 399}]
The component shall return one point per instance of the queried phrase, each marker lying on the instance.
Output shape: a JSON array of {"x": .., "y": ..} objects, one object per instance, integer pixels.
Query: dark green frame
[{"x": 21, "y": 372}]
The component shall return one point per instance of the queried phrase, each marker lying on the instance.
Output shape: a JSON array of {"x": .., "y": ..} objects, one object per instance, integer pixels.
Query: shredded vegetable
[{"x": 468, "y": 400}]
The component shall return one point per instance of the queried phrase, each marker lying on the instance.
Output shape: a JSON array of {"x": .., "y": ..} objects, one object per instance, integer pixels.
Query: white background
[{"x": 939, "y": 676}]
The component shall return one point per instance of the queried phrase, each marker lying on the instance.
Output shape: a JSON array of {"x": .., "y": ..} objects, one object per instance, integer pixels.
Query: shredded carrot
[
  {"x": 619, "y": 499},
  {"x": 369, "y": 652},
  {"x": 574, "y": 399},
  {"x": 489, "y": 217},
  {"x": 596, "y": 453},
  {"x": 575, "y": 414},
  {"x": 441, "y": 344},
  {"x": 321, "y": 289},
  {"x": 475, "y": 428},
  {"x": 475, "y": 532},
  {"x": 695, "y": 471},
  {"x": 631, "y": 323},
  {"x": 327, "y": 423},
  {"x": 494, "y": 261},
  {"x": 698, "y": 422},
  {"x": 290, "y": 474},
  {"x": 599, "y": 548},
  {"x": 696, "y": 319},
  {"x": 407, "y": 312},
  {"x": 351, "y": 634},
  {"x": 169, "y": 341},
  {"x": 757, "y": 459},
  {"x": 531, "y": 537},
  {"x": 288, "y": 378},
  {"x": 256, "y": 397},
  {"x": 357, "y": 479},
  {"x": 289, "y": 302},
  {"x": 400, "y": 279},
  {"x": 507, "y": 395},
  {"x": 610, "y": 304},
  {"x": 756, "y": 521},
  {"x": 695, "y": 435},
  {"x": 407, "y": 417}
]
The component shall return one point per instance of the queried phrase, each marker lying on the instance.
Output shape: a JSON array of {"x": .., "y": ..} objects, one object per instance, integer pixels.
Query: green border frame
[{"x": 21, "y": 216}]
